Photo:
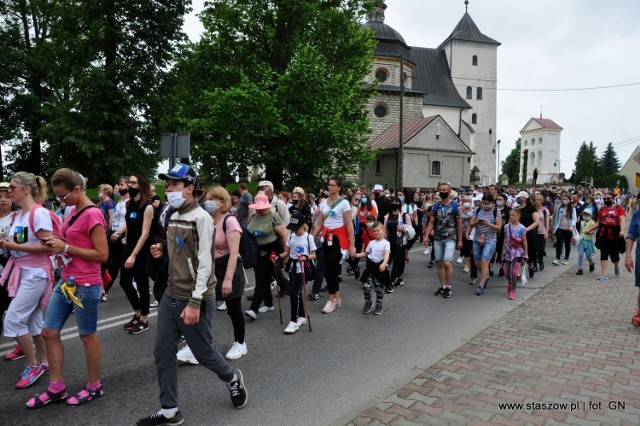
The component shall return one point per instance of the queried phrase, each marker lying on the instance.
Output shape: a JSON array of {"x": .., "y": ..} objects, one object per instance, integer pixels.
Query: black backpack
[{"x": 248, "y": 245}]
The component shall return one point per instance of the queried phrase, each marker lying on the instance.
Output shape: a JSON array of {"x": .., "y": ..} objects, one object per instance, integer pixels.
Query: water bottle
[{"x": 72, "y": 281}]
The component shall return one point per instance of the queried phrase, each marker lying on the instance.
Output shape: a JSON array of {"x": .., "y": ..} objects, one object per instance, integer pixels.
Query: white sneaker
[
  {"x": 153, "y": 305},
  {"x": 237, "y": 350},
  {"x": 251, "y": 314},
  {"x": 301, "y": 321},
  {"x": 291, "y": 328},
  {"x": 185, "y": 355},
  {"x": 222, "y": 306},
  {"x": 329, "y": 307},
  {"x": 104, "y": 298},
  {"x": 265, "y": 309},
  {"x": 460, "y": 260}
]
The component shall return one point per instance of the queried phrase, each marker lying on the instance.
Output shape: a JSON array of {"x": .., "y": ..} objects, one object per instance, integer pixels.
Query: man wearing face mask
[
  {"x": 610, "y": 226},
  {"x": 380, "y": 201},
  {"x": 188, "y": 305},
  {"x": 446, "y": 224}
]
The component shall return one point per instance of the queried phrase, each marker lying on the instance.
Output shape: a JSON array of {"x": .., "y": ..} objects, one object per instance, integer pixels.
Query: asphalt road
[{"x": 322, "y": 377}]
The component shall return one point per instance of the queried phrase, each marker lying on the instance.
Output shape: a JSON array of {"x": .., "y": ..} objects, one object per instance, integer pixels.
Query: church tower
[
  {"x": 473, "y": 61},
  {"x": 541, "y": 147}
]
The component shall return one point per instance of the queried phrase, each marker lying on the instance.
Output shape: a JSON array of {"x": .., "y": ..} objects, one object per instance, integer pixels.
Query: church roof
[
  {"x": 390, "y": 137},
  {"x": 467, "y": 30},
  {"x": 390, "y": 42},
  {"x": 546, "y": 123},
  {"x": 431, "y": 75}
]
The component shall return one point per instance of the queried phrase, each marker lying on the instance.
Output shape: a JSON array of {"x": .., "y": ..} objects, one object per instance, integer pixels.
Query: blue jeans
[
  {"x": 444, "y": 250},
  {"x": 581, "y": 255},
  {"x": 484, "y": 251},
  {"x": 60, "y": 308}
]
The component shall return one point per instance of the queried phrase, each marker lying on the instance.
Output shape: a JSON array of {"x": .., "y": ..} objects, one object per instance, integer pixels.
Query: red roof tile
[
  {"x": 547, "y": 123},
  {"x": 390, "y": 137}
]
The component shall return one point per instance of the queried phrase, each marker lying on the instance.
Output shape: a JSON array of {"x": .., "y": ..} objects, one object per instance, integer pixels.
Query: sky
[{"x": 546, "y": 45}]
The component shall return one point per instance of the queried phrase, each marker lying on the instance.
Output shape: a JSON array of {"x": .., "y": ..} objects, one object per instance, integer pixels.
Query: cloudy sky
[{"x": 546, "y": 45}]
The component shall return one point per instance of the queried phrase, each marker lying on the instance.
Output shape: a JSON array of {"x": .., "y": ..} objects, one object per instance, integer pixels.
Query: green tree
[
  {"x": 586, "y": 163},
  {"x": 525, "y": 164},
  {"x": 511, "y": 163},
  {"x": 90, "y": 76},
  {"x": 609, "y": 162},
  {"x": 280, "y": 87}
]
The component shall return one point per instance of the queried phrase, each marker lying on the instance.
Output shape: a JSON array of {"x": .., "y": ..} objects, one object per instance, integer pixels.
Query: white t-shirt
[
  {"x": 5, "y": 223},
  {"x": 300, "y": 246},
  {"x": 334, "y": 218},
  {"x": 377, "y": 249},
  {"x": 41, "y": 222}
]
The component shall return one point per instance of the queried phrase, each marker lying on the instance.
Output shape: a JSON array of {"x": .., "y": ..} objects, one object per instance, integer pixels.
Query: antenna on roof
[{"x": 466, "y": 5}]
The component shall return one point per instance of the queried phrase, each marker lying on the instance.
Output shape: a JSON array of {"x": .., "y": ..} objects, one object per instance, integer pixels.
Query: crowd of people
[{"x": 62, "y": 254}]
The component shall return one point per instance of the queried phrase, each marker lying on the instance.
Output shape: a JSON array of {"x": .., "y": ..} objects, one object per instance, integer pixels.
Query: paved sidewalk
[{"x": 572, "y": 343}]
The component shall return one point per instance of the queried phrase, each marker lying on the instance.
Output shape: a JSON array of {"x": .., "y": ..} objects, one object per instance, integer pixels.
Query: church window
[
  {"x": 435, "y": 168},
  {"x": 533, "y": 141},
  {"x": 378, "y": 166},
  {"x": 526, "y": 142},
  {"x": 469, "y": 92},
  {"x": 474, "y": 60},
  {"x": 539, "y": 141},
  {"x": 479, "y": 93},
  {"x": 382, "y": 75},
  {"x": 381, "y": 110},
  {"x": 474, "y": 118}
]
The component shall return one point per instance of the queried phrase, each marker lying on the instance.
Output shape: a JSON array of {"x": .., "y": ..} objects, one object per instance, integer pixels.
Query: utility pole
[{"x": 401, "y": 132}]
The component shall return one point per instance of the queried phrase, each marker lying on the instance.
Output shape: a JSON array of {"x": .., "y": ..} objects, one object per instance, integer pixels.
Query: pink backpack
[{"x": 55, "y": 221}]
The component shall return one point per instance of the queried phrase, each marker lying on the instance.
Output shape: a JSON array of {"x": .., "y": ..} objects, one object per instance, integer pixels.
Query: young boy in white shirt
[{"x": 375, "y": 273}]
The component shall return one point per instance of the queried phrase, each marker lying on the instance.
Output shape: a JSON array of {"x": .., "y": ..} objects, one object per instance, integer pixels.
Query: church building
[
  {"x": 540, "y": 151},
  {"x": 448, "y": 104}
]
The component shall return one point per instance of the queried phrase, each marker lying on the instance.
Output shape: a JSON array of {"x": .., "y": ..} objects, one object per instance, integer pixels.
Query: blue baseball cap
[{"x": 182, "y": 172}]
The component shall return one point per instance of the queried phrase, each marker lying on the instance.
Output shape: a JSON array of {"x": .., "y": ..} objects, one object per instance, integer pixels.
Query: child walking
[
  {"x": 375, "y": 273},
  {"x": 300, "y": 248},
  {"x": 585, "y": 246},
  {"x": 514, "y": 251}
]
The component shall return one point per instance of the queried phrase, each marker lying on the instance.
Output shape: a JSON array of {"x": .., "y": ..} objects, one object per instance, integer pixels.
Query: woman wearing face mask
[
  {"x": 467, "y": 245},
  {"x": 610, "y": 226},
  {"x": 365, "y": 208},
  {"x": 229, "y": 272},
  {"x": 393, "y": 227},
  {"x": 139, "y": 220},
  {"x": 299, "y": 203},
  {"x": 116, "y": 233},
  {"x": 543, "y": 230},
  {"x": 564, "y": 222},
  {"x": 530, "y": 218}
]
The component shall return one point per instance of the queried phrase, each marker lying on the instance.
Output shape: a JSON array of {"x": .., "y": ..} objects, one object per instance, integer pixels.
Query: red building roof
[{"x": 389, "y": 139}]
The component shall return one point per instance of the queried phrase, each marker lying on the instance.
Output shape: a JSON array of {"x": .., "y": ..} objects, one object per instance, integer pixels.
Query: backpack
[
  {"x": 436, "y": 207},
  {"x": 248, "y": 245},
  {"x": 56, "y": 222}
]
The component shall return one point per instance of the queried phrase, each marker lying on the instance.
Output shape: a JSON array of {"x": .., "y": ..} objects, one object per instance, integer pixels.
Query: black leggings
[
  {"x": 139, "y": 299},
  {"x": 398, "y": 256},
  {"x": 116, "y": 249},
  {"x": 563, "y": 236},
  {"x": 234, "y": 310},
  {"x": 264, "y": 272},
  {"x": 332, "y": 267}
]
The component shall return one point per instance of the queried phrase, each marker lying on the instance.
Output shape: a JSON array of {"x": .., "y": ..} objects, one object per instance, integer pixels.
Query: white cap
[
  {"x": 378, "y": 187},
  {"x": 523, "y": 194},
  {"x": 265, "y": 183}
]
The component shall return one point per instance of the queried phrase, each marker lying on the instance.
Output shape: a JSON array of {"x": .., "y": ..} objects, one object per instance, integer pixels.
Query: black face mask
[
  {"x": 395, "y": 207},
  {"x": 123, "y": 191},
  {"x": 608, "y": 203},
  {"x": 133, "y": 192},
  {"x": 443, "y": 195}
]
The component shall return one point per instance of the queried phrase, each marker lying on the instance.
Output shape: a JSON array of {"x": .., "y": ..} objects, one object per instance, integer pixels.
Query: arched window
[
  {"x": 474, "y": 60},
  {"x": 435, "y": 168},
  {"x": 539, "y": 141},
  {"x": 479, "y": 93},
  {"x": 474, "y": 118},
  {"x": 469, "y": 92},
  {"x": 532, "y": 161},
  {"x": 539, "y": 160}
]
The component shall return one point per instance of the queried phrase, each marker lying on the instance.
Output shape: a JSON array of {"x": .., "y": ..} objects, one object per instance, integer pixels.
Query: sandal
[
  {"x": 84, "y": 396},
  {"x": 37, "y": 400}
]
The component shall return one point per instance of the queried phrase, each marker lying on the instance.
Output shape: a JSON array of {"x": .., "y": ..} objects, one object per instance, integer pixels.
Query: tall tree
[
  {"x": 585, "y": 166},
  {"x": 280, "y": 87},
  {"x": 90, "y": 90},
  {"x": 511, "y": 163},
  {"x": 525, "y": 164},
  {"x": 609, "y": 162}
]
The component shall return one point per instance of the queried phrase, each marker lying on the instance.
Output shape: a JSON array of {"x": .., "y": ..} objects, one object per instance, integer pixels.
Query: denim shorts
[
  {"x": 444, "y": 250},
  {"x": 60, "y": 308},
  {"x": 484, "y": 251}
]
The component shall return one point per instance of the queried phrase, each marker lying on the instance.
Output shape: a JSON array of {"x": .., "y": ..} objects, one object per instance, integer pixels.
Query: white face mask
[
  {"x": 211, "y": 206},
  {"x": 466, "y": 204},
  {"x": 175, "y": 199}
]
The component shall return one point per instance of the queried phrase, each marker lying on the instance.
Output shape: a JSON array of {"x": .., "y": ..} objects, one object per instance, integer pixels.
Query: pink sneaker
[
  {"x": 329, "y": 307},
  {"x": 30, "y": 375},
  {"x": 512, "y": 295},
  {"x": 15, "y": 354},
  {"x": 338, "y": 303}
]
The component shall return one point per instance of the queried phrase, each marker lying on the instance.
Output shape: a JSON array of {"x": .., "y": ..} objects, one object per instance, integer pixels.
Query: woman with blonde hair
[
  {"x": 230, "y": 276},
  {"x": 28, "y": 274},
  {"x": 299, "y": 203}
]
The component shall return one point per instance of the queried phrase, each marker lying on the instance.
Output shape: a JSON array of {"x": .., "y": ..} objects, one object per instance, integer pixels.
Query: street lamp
[{"x": 497, "y": 147}]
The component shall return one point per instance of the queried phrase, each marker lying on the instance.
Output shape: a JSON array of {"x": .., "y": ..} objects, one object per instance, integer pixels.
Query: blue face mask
[
  {"x": 363, "y": 200},
  {"x": 401, "y": 199}
]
